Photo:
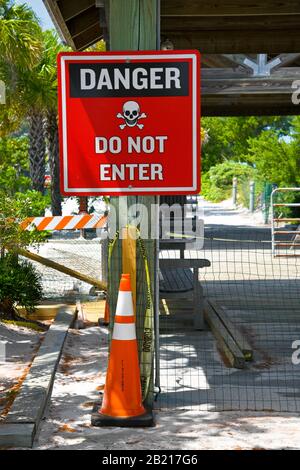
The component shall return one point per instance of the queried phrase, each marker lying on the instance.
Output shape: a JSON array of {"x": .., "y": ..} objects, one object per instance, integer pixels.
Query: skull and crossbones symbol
[{"x": 131, "y": 114}]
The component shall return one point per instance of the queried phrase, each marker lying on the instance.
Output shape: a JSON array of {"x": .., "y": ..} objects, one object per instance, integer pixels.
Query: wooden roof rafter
[{"x": 230, "y": 34}]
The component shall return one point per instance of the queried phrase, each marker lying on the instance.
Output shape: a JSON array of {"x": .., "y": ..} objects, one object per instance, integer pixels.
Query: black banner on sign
[{"x": 104, "y": 80}]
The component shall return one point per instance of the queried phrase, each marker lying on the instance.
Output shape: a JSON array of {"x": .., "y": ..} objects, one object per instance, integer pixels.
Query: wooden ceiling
[{"x": 226, "y": 32}]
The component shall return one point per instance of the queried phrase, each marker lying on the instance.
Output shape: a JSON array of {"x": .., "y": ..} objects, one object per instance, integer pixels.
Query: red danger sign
[{"x": 129, "y": 123}]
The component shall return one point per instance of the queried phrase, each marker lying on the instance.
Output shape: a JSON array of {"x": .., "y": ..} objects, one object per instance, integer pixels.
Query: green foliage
[
  {"x": 217, "y": 182},
  {"x": 13, "y": 210},
  {"x": 274, "y": 159},
  {"x": 20, "y": 48},
  {"x": 37, "y": 86},
  {"x": 229, "y": 137},
  {"x": 14, "y": 165},
  {"x": 20, "y": 33},
  {"x": 211, "y": 192},
  {"x": 20, "y": 285}
]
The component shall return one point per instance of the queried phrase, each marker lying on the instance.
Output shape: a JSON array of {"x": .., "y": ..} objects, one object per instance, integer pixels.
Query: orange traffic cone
[
  {"x": 106, "y": 313},
  {"x": 122, "y": 400}
]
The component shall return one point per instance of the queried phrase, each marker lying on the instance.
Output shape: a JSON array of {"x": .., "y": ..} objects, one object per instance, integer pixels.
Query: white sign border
[{"x": 195, "y": 137}]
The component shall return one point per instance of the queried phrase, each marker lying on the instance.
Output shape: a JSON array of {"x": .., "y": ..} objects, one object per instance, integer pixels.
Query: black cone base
[{"x": 100, "y": 420}]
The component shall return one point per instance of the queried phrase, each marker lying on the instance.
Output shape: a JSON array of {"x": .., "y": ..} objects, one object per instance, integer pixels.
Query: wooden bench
[{"x": 179, "y": 278}]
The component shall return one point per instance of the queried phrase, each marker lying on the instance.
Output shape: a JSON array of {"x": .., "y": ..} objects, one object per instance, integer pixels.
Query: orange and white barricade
[{"x": 67, "y": 222}]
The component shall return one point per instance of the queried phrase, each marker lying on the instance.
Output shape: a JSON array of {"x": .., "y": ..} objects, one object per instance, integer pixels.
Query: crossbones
[{"x": 131, "y": 115}]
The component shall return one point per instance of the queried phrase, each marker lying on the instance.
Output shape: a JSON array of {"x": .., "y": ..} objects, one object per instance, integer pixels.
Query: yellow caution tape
[{"x": 147, "y": 351}]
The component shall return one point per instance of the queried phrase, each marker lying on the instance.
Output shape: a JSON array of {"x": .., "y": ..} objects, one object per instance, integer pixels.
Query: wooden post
[
  {"x": 252, "y": 196},
  {"x": 129, "y": 258},
  {"x": 132, "y": 26},
  {"x": 234, "y": 191},
  {"x": 83, "y": 209}
]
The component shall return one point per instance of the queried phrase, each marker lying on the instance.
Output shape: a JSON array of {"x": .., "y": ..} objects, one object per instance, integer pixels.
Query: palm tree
[
  {"x": 53, "y": 47},
  {"x": 20, "y": 34},
  {"x": 20, "y": 47},
  {"x": 38, "y": 88}
]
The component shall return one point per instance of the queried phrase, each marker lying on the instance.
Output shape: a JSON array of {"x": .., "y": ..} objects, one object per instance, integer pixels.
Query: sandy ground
[
  {"x": 18, "y": 346},
  {"x": 79, "y": 381}
]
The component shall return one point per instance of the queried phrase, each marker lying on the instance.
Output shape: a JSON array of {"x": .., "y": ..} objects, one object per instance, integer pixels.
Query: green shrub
[
  {"x": 211, "y": 192},
  {"x": 14, "y": 165},
  {"x": 217, "y": 182},
  {"x": 13, "y": 210},
  {"x": 20, "y": 285}
]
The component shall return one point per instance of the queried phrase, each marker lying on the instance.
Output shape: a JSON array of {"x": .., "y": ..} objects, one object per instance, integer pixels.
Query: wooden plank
[
  {"x": 216, "y": 60},
  {"x": 248, "y": 105},
  {"x": 184, "y": 263},
  {"x": 246, "y": 86},
  {"x": 228, "y": 7},
  {"x": 225, "y": 341},
  {"x": 83, "y": 22},
  {"x": 213, "y": 89},
  {"x": 176, "y": 280},
  {"x": 129, "y": 258},
  {"x": 228, "y": 23},
  {"x": 236, "y": 334},
  {"x": 227, "y": 73},
  {"x": 71, "y": 8},
  {"x": 88, "y": 37},
  {"x": 58, "y": 21},
  {"x": 232, "y": 42}
]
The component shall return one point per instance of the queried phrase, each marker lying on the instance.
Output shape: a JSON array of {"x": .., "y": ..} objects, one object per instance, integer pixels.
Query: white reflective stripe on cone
[
  {"x": 124, "y": 331},
  {"x": 124, "y": 304}
]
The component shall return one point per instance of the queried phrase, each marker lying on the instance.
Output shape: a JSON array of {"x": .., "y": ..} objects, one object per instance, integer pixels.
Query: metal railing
[{"x": 284, "y": 240}]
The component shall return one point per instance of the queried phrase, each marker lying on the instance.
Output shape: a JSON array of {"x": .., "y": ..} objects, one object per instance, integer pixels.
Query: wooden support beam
[
  {"x": 217, "y": 60},
  {"x": 287, "y": 59},
  {"x": 235, "y": 333},
  {"x": 132, "y": 26},
  {"x": 238, "y": 59},
  {"x": 227, "y": 345},
  {"x": 229, "y": 7},
  {"x": 236, "y": 83},
  {"x": 234, "y": 92},
  {"x": 63, "y": 269},
  {"x": 246, "y": 87}
]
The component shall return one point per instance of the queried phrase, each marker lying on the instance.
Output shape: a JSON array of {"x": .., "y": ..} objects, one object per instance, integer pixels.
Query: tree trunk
[
  {"x": 7, "y": 310},
  {"x": 53, "y": 152},
  {"x": 37, "y": 149}
]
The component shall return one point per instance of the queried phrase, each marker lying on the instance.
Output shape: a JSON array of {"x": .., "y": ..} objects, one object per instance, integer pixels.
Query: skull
[{"x": 131, "y": 113}]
